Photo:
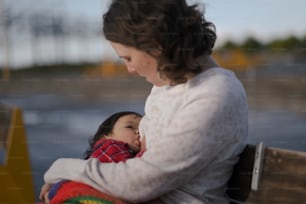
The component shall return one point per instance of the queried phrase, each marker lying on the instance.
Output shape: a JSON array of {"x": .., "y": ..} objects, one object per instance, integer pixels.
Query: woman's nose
[{"x": 130, "y": 69}]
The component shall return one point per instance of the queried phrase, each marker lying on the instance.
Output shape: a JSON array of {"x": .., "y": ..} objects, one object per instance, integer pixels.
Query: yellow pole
[{"x": 5, "y": 36}]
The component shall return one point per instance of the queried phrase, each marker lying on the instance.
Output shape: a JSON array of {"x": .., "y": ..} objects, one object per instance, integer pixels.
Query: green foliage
[
  {"x": 288, "y": 44},
  {"x": 229, "y": 45},
  {"x": 252, "y": 52},
  {"x": 251, "y": 44}
]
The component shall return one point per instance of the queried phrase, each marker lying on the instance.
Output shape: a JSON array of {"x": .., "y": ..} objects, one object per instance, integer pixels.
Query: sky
[
  {"x": 264, "y": 19},
  {"x": 234, "y": 19}
]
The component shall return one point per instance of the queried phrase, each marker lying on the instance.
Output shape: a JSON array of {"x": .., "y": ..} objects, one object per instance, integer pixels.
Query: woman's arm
[
  {"x": 190, "y": 145},
  {"x": 203, "y": 127}
]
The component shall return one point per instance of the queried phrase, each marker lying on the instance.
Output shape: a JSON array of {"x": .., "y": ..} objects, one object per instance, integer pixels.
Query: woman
[{"x": 195, "y": 122}]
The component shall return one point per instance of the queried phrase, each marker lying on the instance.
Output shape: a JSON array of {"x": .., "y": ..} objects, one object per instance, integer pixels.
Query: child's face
[{"x": 126, "y": 130}]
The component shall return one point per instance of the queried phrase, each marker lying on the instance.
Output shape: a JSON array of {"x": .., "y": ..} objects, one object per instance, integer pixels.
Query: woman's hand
[{"x": 44, "y": 192}]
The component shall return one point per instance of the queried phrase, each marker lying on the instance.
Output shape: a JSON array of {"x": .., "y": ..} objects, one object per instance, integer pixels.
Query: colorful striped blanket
[{"x": 72, "y": 192}]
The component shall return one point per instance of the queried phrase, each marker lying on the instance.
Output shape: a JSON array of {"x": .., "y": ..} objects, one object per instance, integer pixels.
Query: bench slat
[{"x": 283, "y": 178}]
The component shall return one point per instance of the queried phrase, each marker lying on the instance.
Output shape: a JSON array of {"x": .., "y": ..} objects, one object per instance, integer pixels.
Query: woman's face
[
  {"x": 139, "y": 62},
  {"x": 126, "y": 130}
]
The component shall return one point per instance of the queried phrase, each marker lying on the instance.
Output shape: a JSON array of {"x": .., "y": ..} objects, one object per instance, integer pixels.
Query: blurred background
[{"x": 56, "y": 66}]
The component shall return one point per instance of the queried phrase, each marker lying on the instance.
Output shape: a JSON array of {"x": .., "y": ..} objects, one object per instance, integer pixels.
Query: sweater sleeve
[{"x": 197, "y": 134}]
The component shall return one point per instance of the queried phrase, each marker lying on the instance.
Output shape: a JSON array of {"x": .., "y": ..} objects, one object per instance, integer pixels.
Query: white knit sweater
[{"x": 194, "y": 133}]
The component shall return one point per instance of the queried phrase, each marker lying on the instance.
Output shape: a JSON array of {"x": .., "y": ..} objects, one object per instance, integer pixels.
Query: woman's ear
[{"x": 156, "y": 52}]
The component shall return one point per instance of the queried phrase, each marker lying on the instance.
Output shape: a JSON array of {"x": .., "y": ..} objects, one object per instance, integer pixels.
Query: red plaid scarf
[{"x": 108, "y": 150}]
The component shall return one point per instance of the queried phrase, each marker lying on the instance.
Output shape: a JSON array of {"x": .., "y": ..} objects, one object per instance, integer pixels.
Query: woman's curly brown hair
[{"x": 179, "y": 31}]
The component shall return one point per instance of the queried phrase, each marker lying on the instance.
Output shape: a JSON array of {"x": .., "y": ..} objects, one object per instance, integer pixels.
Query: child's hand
[{"x": 44, "y": 192}]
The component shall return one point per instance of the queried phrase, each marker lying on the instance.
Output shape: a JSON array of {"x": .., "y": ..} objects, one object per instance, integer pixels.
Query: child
[{"x": 116, "y": 140}]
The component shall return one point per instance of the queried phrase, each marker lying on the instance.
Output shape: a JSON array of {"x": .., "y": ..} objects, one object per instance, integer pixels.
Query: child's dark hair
[{"x": 105, "y": 128}]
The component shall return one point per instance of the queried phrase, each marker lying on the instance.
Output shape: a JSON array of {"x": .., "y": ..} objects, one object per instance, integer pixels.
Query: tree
[
  {"x": 229, "y": 45},
  {"x": 251, "y": 45}
]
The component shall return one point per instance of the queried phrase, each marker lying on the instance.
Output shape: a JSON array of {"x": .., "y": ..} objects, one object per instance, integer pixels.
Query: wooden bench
[
  {"x": 16, "y": 181},
  {"x": 269, "y": 175}
]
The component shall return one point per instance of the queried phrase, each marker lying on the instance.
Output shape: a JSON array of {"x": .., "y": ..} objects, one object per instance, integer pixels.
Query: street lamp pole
[{"x": 5, "y": 41}]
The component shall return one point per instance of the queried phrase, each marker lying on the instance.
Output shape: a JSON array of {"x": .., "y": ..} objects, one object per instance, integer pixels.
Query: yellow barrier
[{"x": 16, "y": 180}]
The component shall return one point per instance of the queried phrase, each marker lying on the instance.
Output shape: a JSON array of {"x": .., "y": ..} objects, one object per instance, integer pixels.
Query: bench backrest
[
  {"x": 281, "y": 176},
  {"x": 16, "y": 181}
]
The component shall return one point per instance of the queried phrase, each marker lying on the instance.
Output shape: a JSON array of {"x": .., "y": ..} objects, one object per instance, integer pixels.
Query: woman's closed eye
[{"x": 126, "y": 59}]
